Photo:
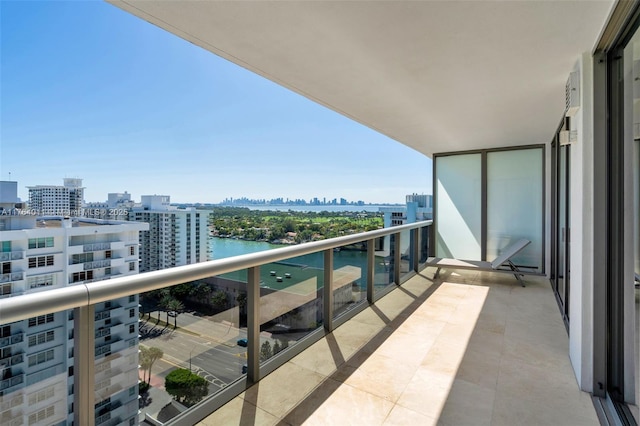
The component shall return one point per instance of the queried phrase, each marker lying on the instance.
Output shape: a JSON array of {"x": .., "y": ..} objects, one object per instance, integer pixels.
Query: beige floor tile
[
  {"x": 392, "y": 307},
  {"x": 457, "y": 335},
  {"x": 427, "y": 392},
  {"x": 445, "y": 356},
  {"x": 342, "y": 405},
  {"x": 370, "y": 317},
  {"x": 537, "y": 355},
  {"x": 323, "y": 357},
  {"x": 536, "y": 333},
  {"x": 467, "y": 405},
  {"x": 401, "y": 416},
  {"x": 382, "y": 376},
  {"x": 408, "y": 349},
  {"x": 435, "y": 311},
  {"x": 352, "y": 336},
  {"x": 514, "y": 411},
  {"x": 492, "y": 322},
  {"x": 539, "y": 385},
  {"x": 279, "y": 392},
  {"x": 480, "y": 369},
  {"x": 239, "y": 412},
  {"x": 453, "y": 289}
]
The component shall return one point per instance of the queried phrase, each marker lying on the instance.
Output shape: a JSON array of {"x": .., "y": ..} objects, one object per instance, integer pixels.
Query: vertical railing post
[
  {"x": 253, "y": 324},
  {"x": 328, "y": 290},
  {"x": 371, "y": 271},
  {"x": 397, "y": 257},
  {"x": 84, "y": 365},
  {"x": 415, "y": 248}
]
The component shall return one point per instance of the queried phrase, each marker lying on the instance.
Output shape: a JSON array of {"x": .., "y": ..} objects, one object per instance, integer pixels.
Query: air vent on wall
[{"x": 572, "y": 94}]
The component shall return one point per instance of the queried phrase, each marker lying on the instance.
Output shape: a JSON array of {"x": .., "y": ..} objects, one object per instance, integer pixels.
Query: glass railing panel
[
  {"x": 349, "y": 284},
  {"x": 290, "y": 301},
  {"x": 384, "y": 263},
  {"x": 116, "y": 360},
  {"x": 34, "y": 371},
  {"x": 192, "y": 349},
  {"x": 406, "y": 254},
  {"x": 423, "y": 245}
]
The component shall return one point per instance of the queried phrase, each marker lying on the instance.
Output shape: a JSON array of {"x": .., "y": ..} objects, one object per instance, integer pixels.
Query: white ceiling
[{"x": 437, "y": 76}]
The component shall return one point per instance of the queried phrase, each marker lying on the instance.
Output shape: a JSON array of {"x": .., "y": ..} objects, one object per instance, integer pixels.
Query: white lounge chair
[{"x": 498, "y": 265}]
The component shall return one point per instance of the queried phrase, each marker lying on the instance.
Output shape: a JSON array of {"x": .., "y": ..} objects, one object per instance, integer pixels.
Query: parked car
[
  {"x": 173, "y": 314},
  {"x": 242, "y": 342}
]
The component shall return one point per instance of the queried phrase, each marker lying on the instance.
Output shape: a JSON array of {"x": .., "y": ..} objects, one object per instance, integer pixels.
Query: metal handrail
[{"x": 54, "y": 300}]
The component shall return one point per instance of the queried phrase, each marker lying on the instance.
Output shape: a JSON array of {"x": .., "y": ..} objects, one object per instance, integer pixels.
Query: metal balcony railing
[
  {"x": 84, "y": 297},
  {"x": 11, "y": 255}
]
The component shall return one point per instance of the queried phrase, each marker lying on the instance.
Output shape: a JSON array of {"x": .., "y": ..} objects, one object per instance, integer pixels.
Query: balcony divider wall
[{"x": 486, "y": 199}]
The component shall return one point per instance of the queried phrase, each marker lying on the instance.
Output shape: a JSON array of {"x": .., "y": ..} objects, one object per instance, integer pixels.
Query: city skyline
[{"x": 137, "y": 109}]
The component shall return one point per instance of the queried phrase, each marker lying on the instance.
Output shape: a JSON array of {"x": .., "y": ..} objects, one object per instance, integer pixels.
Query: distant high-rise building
[
  {"x": 175, "y": 237},
  {"x": 37, "y": 355},
  {"x": 65, "y": 200}
]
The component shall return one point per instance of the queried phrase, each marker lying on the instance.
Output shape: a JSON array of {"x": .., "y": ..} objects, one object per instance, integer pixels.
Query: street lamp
[{"x": 190, "y": 358}]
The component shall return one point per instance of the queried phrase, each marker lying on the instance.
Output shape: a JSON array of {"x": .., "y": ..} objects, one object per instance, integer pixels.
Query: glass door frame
[
  {"x": 611, "y": 353},
  {"x": 560, "y": 237}
]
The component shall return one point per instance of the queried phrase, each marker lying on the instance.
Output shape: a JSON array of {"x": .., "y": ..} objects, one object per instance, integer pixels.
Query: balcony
[
  {"x": 466, "y": 348},
  {"x": 14, "y": 276},
  {"x": 11, "y": 340},
  {"x": 8, "y": 383},
  {"x": 11, "y": 255}
]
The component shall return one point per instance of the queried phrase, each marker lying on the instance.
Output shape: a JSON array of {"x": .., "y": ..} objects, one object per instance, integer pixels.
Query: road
[{"x": 219, "y": 363}]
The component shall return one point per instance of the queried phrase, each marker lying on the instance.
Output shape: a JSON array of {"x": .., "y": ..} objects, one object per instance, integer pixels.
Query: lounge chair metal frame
[{"x": 503, "y": 259}]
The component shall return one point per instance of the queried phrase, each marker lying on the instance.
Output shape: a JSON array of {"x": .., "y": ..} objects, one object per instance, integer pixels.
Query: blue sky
[{"x": 89, "y": 91}]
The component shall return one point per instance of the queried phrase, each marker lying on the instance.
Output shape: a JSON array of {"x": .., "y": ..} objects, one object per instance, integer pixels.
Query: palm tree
[
  {"x": 176, "y": 306},
  {"x": 148, "y": 356},
  {"x": 164, "y": 304}
]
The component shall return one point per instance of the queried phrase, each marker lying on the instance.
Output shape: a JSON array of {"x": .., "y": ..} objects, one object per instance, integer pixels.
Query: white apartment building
[
  {"x": 418, "y": 207},
  {"x": 116, "y": 207},
  {"x": 37, "y": 355},
  {"x": 175, "y": 237},
  {"x": 65, "y": 200}
]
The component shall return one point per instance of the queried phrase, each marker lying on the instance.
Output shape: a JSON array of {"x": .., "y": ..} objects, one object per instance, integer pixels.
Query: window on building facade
[
  {"x": 5, "y": 289},
  {"x": 40, "y": 242},
  {"x": 41, "y": 357},
  {"x": 42, "y": 319},
  {"x": 40, "y": 338},
  {"x": 40, "y": 261},
  {"x": 41, "y": 281}
]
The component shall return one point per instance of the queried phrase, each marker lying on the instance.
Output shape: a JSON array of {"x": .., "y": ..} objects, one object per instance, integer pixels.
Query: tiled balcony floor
[{"x": 469, "y": 349}]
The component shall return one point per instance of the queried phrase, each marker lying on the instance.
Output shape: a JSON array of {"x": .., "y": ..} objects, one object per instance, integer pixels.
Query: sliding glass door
[{"x": 560, "y": 225}]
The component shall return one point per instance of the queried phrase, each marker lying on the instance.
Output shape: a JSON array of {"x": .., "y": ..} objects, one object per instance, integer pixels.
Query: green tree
[
  {"x": 276, "y": 347},
  {"x": 175, "y": 306},
  {"x": 241, "y": 298},
  {"x": 186, "y": 387},
  {"x": 219, "y": 300},
  {"x": 181, "y": 291},
  {"x": 265, "y": 351},
  {"x": 148, "y": 356}
]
